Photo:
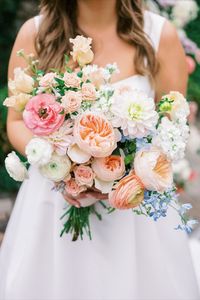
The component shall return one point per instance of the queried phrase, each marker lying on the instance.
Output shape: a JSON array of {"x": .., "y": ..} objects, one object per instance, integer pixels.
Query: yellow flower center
[{"x": 135, "y": 111}]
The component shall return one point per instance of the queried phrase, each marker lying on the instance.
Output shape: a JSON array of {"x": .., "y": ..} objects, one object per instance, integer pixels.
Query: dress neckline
[{"x": 128, "y": 78}]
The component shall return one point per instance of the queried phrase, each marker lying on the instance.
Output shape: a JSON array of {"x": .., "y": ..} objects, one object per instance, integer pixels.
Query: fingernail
[{"x": 78, "y": 206}]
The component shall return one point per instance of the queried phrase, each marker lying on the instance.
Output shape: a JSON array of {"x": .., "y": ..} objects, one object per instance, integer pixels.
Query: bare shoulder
[
  {"x": 25, "y": 40},
  {"x": 172, "y": 74}
]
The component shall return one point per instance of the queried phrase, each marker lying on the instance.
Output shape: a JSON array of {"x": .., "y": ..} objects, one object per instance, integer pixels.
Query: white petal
[
  {"x": 104, "y": 186},
  {"x": 77, "y": 155}
]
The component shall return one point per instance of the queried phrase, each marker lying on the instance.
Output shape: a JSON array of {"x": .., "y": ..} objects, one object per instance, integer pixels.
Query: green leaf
[
  {"x": 66, "y": 58},
  {"x": 128, "y": 159}
]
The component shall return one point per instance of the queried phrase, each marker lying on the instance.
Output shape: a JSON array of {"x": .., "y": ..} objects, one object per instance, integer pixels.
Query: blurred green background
[{"x": 13, "y": 14}]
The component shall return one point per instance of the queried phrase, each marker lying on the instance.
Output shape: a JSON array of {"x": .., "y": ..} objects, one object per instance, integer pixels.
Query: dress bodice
[{"x": 153, "y": 25}]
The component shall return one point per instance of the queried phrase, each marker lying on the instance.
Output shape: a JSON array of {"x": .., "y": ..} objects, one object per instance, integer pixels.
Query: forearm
[{"x": 19, "y": 135}]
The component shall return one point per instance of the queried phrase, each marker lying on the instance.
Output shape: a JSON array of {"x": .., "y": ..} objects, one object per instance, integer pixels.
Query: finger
[{"x": 72, "y": 201}]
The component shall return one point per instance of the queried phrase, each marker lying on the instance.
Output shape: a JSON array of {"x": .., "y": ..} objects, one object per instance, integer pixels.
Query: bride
[{"x": 129, "y": 257}]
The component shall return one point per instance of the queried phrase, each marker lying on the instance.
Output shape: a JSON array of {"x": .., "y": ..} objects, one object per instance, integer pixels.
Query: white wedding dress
[{"x": 129, "y": 258}]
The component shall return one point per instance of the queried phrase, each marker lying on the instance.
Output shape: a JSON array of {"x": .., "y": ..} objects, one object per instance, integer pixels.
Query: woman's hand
[{"x": 94, "y": 193}]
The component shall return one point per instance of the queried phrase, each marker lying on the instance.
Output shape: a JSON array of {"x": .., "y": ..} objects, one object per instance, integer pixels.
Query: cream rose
[
  {"x": 84, "y": 175},
  {"x": 71, "y": 101},
  {"x": 22, "y": 82},
  {"x": 88, "y": 92},
  {"x": 18, "y": 102},
  {"x": 154, "y": 169},
  {"x": 81, "y": 51}
]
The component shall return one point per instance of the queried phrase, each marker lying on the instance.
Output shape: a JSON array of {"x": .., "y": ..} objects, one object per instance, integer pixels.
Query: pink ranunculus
[
  {"x": 109, "y": 168},
  {"x": 43, "y": 115},
  {"x": 84, "y": 175},
  {"x": 154, "y": 169},
  {"x": 71, "y": 80},
  {"x": 71, "y": 101},
  {"x": 95, "y": 134},
  {"x": 88, "y": 92},
  {"x": 48, "y": 80},
  {"x": 127, "y": 193},
  {"x": 73, "y": 188}
]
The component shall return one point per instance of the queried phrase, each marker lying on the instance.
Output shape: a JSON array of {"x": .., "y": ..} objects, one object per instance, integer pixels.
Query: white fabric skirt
[{"x": 129, "y": 258}]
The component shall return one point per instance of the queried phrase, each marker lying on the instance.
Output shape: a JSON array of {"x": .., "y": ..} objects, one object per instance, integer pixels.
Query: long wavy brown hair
[{"x": 59, "y": 23}]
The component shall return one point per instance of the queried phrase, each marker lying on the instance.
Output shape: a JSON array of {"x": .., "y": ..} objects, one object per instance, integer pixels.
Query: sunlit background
[{"x": 185, "y": 15}]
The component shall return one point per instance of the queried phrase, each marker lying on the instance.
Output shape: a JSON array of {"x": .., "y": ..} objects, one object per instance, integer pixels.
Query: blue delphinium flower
[
  {"x": 142, "y": 144},
  {"x": 187, "y": 226}
]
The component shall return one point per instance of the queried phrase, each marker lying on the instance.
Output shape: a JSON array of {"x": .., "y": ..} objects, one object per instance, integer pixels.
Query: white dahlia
[{"x": 135, "y": 113}]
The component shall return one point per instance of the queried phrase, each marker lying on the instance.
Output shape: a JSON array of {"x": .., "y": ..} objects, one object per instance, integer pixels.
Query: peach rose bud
[
  {"x": 154, "y": 169},
  {"x": 109, "y": 168},
  {"x": 71, "y": 80},
  {"x": 84, "y": 175},
  {"x": 127, "y": 193},
  {"x": 88, "y": 92},
  {"x": 71, "y": 101}
]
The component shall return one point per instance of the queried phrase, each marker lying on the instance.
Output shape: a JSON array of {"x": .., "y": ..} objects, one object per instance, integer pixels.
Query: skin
[{"x": 172, "y": 74}]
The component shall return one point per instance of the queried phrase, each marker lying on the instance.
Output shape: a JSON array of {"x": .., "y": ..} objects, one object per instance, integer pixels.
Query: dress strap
[
  {"x": 37, "y": 20},
  {"x": 153, "y": 25}
]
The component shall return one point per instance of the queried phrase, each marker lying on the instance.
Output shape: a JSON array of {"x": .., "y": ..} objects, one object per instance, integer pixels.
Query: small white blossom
[{"x": 183, "y": 12}]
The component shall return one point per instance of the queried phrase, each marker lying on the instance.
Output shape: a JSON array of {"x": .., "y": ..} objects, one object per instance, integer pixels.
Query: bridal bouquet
[{"x": 89, "y": 134}]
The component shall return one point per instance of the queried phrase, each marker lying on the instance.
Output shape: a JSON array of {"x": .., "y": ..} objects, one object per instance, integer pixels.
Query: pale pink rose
[
  {"x": 73, "y": 188},
  {"x": 71, "y": 101},
  {"x": 48, "y": 80},
  {"x": 154, "y": 169},
  {"x": 81, "y": 51},
  {"x": 96, "y": 78},
  {"x": 88, "y": 92},
  {"x": 43, "y": 115},
  {"x": 84, "y": 175},
  {"x": 127, "y": 193},
  {"x": 62, "y": 138},
  {"x": 95, "y": 134},
  {"x": 109, "y": 168},
  {"x": 18, "y": 102},
  {"x": 71, "y": 80}
]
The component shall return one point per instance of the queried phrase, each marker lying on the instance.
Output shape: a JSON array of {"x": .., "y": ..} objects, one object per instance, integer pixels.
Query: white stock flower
[
  {"x": 15, "y": 167},
  {"x": 135, "y": 113},
  {"x": 38, "y": 151},
  {"x": 183, "y": 12},
  {"x": 171, "y": 138},
  {"x": 57, "y": 168}
]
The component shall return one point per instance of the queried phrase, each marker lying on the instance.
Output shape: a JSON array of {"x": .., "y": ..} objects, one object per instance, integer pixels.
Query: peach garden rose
[
  {"x": 95, "y": 134},
  {"x": 109, "y": 168},
  {"x": 154, "y": 169},
  {"x": 88, "y": 92}
]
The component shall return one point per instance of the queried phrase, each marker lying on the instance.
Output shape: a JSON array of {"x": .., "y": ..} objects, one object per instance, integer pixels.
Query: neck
[{"x": 96, "y": 14}]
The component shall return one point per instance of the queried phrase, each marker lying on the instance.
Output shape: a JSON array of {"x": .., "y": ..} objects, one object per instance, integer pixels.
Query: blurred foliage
[
  {"x": 13, "y": 14},
  {"x": 193, "y": 32}
]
